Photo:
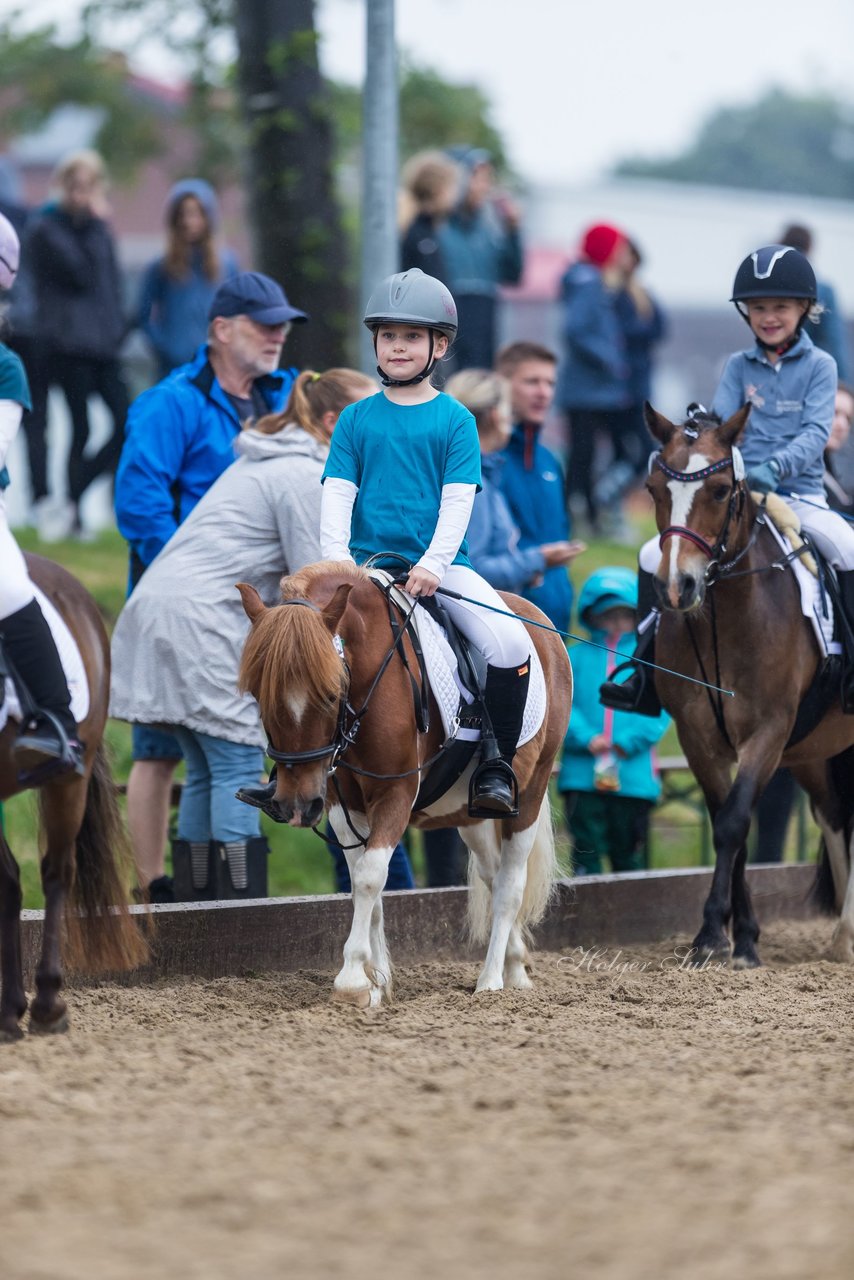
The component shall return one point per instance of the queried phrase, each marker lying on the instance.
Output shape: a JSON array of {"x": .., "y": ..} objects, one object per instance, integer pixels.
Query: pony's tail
[
  {"x": 543, "y": 871},
  {"x": 101, "y": 936}
]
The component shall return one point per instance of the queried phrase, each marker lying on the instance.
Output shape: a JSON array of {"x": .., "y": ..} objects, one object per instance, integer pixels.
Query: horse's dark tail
[
  {"x": 100, "y": 933},
  {"x": 841, "y": 769}
]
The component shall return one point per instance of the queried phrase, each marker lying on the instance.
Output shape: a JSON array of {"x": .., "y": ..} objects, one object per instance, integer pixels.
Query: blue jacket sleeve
[
  {"x": 511, "y": 258},
  {"x": 149, "y": 467},
  {"x": 506, "y": 570}
]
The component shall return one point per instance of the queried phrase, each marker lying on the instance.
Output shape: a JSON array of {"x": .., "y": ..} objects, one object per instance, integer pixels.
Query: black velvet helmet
[{"x": 774, "y": 271}]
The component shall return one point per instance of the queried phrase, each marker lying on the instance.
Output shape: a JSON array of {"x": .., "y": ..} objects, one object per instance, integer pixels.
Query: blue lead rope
[{"x": 569, "y": 635}]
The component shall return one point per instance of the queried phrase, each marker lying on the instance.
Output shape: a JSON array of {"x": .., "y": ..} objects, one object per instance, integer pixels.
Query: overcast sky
[{"x": 576, "y": 86}]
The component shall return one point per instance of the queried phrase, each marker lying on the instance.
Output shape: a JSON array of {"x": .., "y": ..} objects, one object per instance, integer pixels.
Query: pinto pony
[
  {"x": 729, "y": 617},
  {"x": 315, "y": 700},
  {"x": 85, "y": 849}
]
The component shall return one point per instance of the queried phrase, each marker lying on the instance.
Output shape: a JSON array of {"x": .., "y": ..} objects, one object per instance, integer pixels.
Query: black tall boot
[
  {"x": 241, "y": 868},
  {"x": 47, "y": 744},
  {"x": 494, "y": 791},
  {"x": 845, "y": 578},
  {"x": 193, "y": 870},
  {"x": 637, "y": 693}
]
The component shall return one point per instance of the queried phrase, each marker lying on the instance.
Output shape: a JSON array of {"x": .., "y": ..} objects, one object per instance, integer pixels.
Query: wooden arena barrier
[{"x": 221, "y": 939}]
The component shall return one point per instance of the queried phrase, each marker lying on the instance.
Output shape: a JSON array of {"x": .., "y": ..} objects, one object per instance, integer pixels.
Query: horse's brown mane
[{"x": 290, "y": 650}]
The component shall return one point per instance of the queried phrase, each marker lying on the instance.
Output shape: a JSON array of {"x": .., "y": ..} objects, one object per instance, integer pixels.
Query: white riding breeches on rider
[
  {"x": 504, "y": 641},
  {"x": 16, "y": 589},
  {"x": 832, "y": 534}
]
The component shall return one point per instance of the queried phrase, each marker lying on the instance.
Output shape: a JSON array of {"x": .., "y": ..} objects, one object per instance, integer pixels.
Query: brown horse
[
  {"x": 85, "y": 850},
  {"x": 730, "y": 619},
  {"x": 307, "y": 690}
]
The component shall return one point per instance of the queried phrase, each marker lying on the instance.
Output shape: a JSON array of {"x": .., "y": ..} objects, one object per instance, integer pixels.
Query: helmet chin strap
[{"x": 407, "y": 382}]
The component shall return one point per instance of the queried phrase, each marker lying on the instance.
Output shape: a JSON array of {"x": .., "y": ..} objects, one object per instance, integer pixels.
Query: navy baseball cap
[{"x": 252, "y": 294}]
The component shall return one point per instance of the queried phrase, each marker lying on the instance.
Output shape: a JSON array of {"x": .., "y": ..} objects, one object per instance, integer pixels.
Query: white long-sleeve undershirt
[
  {"x": 10, "y": 419},
  {"x": 454, "y": 515},
  {"x": 336, "y": 514}
]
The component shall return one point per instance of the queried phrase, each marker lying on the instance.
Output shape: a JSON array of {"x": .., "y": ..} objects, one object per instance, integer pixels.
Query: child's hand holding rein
[{"x": 421, "y": 582}]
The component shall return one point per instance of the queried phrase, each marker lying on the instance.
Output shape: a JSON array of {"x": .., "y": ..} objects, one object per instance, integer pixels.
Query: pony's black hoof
[
  {"x": 706, "y": 952},
  {"x": 9, "y": 1035},
  {"x": 54, "y": 1027}
]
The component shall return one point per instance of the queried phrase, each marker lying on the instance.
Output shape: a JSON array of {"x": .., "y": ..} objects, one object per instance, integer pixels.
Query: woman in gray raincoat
[{"x": 177, "y": 643}]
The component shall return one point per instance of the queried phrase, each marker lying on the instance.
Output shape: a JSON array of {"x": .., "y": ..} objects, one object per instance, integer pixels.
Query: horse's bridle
[{"x": 717, "y": 565}]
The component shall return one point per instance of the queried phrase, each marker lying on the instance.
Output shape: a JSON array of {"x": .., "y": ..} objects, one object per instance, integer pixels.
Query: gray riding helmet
[{"x": 411, "y": 297}]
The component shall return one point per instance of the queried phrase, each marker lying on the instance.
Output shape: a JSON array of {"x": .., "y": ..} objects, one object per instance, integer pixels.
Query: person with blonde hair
[
  {"x": 177, "y": 643},
  {"x": 79, "y": 316},
  {"x": 430, "y": 186}
]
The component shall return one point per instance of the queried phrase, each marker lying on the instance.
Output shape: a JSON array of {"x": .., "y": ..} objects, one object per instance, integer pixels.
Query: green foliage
[
  {"x": 38, "y": 74},
  {"x": 781, "y": 142},
  {"x": 433, "y": 113}
]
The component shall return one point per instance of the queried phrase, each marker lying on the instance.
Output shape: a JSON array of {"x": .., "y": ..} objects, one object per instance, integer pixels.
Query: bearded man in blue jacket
[{"x": 179, "y": 439}]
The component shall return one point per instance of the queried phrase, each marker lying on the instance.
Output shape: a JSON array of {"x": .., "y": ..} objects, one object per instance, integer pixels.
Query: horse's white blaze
[
  {"x": 297, "y": 702},
  {"x": 682, "y": 495}
]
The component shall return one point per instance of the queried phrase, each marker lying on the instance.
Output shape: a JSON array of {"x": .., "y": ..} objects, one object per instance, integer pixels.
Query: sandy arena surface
[{"x": 608, "y": 1125}]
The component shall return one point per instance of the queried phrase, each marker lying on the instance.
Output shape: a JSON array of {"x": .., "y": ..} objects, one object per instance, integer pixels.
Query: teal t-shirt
[
  {"x": 399, "y": 457},
  {"x": 13, "y": 379}
]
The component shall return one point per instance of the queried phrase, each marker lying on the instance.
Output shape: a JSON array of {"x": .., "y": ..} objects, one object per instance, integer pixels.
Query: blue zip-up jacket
[
  {"x": 532, "y": 483},
  {"x": 179, "y": 439},
  {"x": 641, "y": 332},
  {"x": 792, "y": 410},
  {"x": 595, "y": 372},
  {"x": 633, "y": 734},
  {"x": 829, "y": 331},
  {"x": 493, "y": 536}
]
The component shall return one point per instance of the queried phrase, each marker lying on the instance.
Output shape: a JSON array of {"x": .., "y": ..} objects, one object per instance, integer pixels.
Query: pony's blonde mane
[{"x": 289, "y": 650}]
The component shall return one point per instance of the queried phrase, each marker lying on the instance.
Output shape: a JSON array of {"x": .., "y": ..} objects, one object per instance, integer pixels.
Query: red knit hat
[{"x": 599, "y": 243}]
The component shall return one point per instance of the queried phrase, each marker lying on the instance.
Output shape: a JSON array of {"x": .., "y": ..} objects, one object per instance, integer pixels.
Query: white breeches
[
  {"x": 503, "y": 641},
  {"x": 833, "y": 535},
  {"x": 16, "y": 590}
]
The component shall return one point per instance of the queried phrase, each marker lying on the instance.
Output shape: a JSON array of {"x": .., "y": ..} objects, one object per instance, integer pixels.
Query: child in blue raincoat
[{"x": 607, "y": 778}]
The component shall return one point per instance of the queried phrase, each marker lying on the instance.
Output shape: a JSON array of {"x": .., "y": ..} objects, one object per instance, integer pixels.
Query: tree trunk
[{"x": 297, "y": 229}]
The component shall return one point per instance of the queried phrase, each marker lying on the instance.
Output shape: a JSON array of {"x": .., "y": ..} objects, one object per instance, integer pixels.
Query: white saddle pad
[
  {"x": 441, "y": 666},
  {"x": 72, "y": 665},
  {"x": 819, "y": 610}
]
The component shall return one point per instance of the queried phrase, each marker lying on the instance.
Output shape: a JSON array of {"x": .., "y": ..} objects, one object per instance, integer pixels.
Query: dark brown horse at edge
[
  {"x": 728, "y": 617},
  {"x": 307, "y": 689},
  {"x": 85, "y": 850}
]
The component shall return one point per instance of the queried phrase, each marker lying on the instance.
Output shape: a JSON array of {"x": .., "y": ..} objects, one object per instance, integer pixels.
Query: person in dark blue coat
[
  {"x": 180, "y": 439},
  {"x": 594, "y": 378},
  {"x": 532, "y": 480}
]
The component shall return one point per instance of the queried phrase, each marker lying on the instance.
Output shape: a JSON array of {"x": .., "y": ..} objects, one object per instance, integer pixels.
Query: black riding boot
[
  {"x": 241, "y": 868},
  {"x": 47, "y": 744},
  {"x": 193, "y": 871},
  {"x": 845, "y": 578},
  {"x": 494, "y": 790},
  {"x": 261, "y": 797},
  {"x": 638, "y": 692}
]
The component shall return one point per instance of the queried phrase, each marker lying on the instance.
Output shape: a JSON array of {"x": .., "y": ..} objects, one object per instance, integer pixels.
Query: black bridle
[{"x": 718, "y": 566}]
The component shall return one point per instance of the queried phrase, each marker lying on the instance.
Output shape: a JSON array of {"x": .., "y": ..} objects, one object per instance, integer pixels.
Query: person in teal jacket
[{"x": 607, "y": 777}]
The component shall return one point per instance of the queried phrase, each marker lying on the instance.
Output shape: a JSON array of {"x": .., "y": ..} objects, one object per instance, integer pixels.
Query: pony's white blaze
[
  {"x": 682, "y": 495},
  {"x": 297, "y": 701}
]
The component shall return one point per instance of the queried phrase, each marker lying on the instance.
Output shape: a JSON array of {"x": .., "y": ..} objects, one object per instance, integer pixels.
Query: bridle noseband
[{"x": 716, "y": 553}]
